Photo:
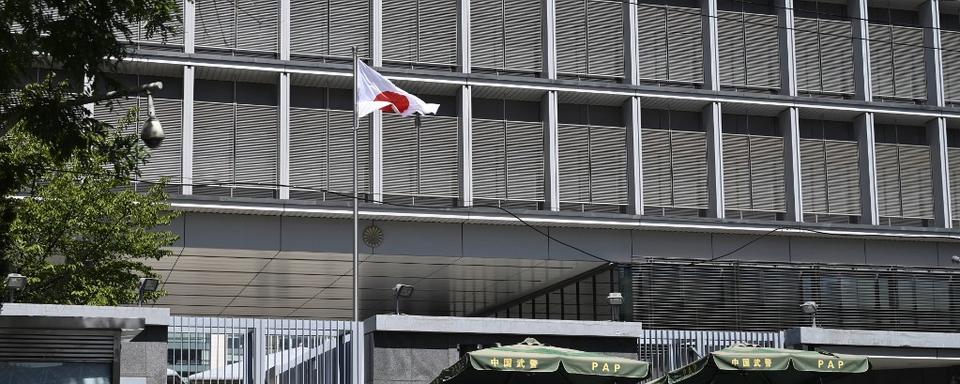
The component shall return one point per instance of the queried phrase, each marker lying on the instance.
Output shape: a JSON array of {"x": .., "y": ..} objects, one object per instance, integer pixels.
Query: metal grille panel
[
  {"x": 42, "y": 345},
  {"x": 759, "y": 296},
  {"x": 670, "y": 349}
]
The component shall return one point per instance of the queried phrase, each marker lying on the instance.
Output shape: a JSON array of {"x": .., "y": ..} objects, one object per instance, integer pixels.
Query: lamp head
[
  {"x": 16, "y": 281},
  {"x": 955, "y": 259},
  {"x": 403, "y": 290},
  {"x": 148, "y": 284},
  {"x": 615, "y": 298},
  {"x": 809, "y": 307}
]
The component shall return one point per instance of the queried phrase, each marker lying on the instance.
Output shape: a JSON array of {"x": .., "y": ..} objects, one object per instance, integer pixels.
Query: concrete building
[{"x": 718, "y": 162}]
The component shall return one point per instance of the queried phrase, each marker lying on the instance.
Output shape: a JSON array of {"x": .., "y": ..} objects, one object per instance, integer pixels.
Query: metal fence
[
  {"x": 668, "y": 349},
  {"x": 213, "y": 350}
]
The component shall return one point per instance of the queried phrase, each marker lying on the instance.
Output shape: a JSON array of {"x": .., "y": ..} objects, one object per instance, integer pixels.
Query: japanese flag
[{"x": 376, "y": 92}]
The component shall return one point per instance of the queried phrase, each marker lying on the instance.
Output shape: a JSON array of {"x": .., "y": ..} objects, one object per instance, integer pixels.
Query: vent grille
[
  {"x": 78, "y": 345},
  {"x": 759, "y": 296}
]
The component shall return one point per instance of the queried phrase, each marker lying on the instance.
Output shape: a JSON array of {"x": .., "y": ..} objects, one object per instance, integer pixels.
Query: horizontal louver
[
  {"x": 685, "y": 49},
  {"x": 489, "y": 159},
  {"x": 308, "y": 148},
  {"x": 258, "y": 25},
  {"x": 506, "y": 35},
  {"x": 256, "y": 145},
  {"x": 55, "y": 346},
  {"x": 651, "y": 42},
  {"x": 903, "y": 181},
  {"x": 731, "y": 48},
  {"x": 420, "y": 160},
  {"x": 592, "y": 164},
  {"x": 950, "y": 41},
  {"x": 213, "y": 142},
  {"x": 572, "y": 36},
  {"x": 173, "y": 38},
  {"x": 433, "y": 41},
  {"x": 830, "y": 177},
  {"x": 762, "y": 50},
  {"x": 605, "y": 38},
  {"x": 216, "y": 24},
  {"x": 753, "y": 172},
  {"x": 671, "y": 294},
  {"x": 329, "y": 28},
  {"x": 165, "y": 160},
  {"x": 954, "y": 161},
  {"x": 340, "y": 152},
  {"x": 524, "y": 160},
  {"x": 824, "y": 56},
  {"x": 674, "y": 169},
  {"x": 896, "y": 61}
]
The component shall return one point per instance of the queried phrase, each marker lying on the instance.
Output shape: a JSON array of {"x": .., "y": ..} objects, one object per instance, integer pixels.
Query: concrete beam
[
  {"x": 932, "y": 55},
  {"x": 790, "y": 127},
  {"x": 863, "y": 88},
  {"x": 631, "y": 113},
  {"x": 551, "y": 158},
  {"x": 711, "y": 47},
  {"x": 940, "y": 167},
  {"x": 898, "y": 339},
  {"x": 867, "y": 150},
  {"x": 788, "y": 43},
  {"x": 464, "y": 115},
  {"x": 713, "y": 126},
  {"x": 186, "y": 143}
]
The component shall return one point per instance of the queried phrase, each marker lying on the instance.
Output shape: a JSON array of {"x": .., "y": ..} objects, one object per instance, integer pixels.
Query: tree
[{"x": 51, "y": 146}]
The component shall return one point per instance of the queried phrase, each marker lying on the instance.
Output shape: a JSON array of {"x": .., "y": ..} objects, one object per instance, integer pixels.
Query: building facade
[{"x": 718, "y": 162}]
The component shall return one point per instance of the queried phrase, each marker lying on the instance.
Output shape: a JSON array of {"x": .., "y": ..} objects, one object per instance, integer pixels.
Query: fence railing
[
  {"x": 668, "y": 349},
  {"x": 262, "y": 351}
]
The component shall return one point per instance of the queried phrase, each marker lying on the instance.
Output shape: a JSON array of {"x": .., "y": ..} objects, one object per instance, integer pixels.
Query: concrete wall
[{"x": 145, "y": 356}]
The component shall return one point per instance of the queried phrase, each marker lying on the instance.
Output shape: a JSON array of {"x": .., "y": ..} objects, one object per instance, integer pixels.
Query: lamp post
[{"x": 401, "y": 290}]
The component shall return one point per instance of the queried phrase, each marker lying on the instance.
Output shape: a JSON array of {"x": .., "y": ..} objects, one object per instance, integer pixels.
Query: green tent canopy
[
  {"x": 532, "y": 363},
  {"x": 746, "y": 364}
]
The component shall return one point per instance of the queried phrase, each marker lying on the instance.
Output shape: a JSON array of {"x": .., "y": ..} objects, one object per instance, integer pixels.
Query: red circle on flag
[{"x": 399, "y": 101}]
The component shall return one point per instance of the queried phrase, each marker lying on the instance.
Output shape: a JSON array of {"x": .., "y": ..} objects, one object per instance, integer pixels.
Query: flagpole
[{"x": 356, "y": 225}]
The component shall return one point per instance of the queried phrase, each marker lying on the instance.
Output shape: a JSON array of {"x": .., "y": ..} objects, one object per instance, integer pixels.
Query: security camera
[{"x": 955, "y": 259}]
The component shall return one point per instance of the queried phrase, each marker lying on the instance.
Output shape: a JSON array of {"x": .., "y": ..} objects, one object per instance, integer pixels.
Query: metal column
[
  {"x": 631, "y": 112},
  {"x": 551, "y": 159},
  {"x": 936, "y": 128},
  {"x": 789, "y": 121},
  {"x": 631, "y": 63},
  {"x": 550, "y": 39},
  {"x": 711, "y": 52},
  {"x": 788, "y": 55},
  {"x": 284, "y": 139},
  {"x": 861, "y": 50},
  {"x": 714, "y": 128},
  {"x": 464, "y": 115},
  {"x": 866, "y": 144},
  {"x": 186, "y": 149}
]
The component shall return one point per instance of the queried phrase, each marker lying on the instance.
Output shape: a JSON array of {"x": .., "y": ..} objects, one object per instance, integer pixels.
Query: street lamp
[
  {"x": 147, "y": 284},
  {"x": 401, "y": 290},
  {"x": 810, "y": 308},
  {"x": 15, "y": 282},
  {"x": 152, "y": 133},
  {"x": 616, "y": 300}
]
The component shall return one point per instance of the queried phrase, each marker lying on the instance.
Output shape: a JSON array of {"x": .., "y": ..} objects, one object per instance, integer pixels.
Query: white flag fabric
[{"x": 376, "y": 92}]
